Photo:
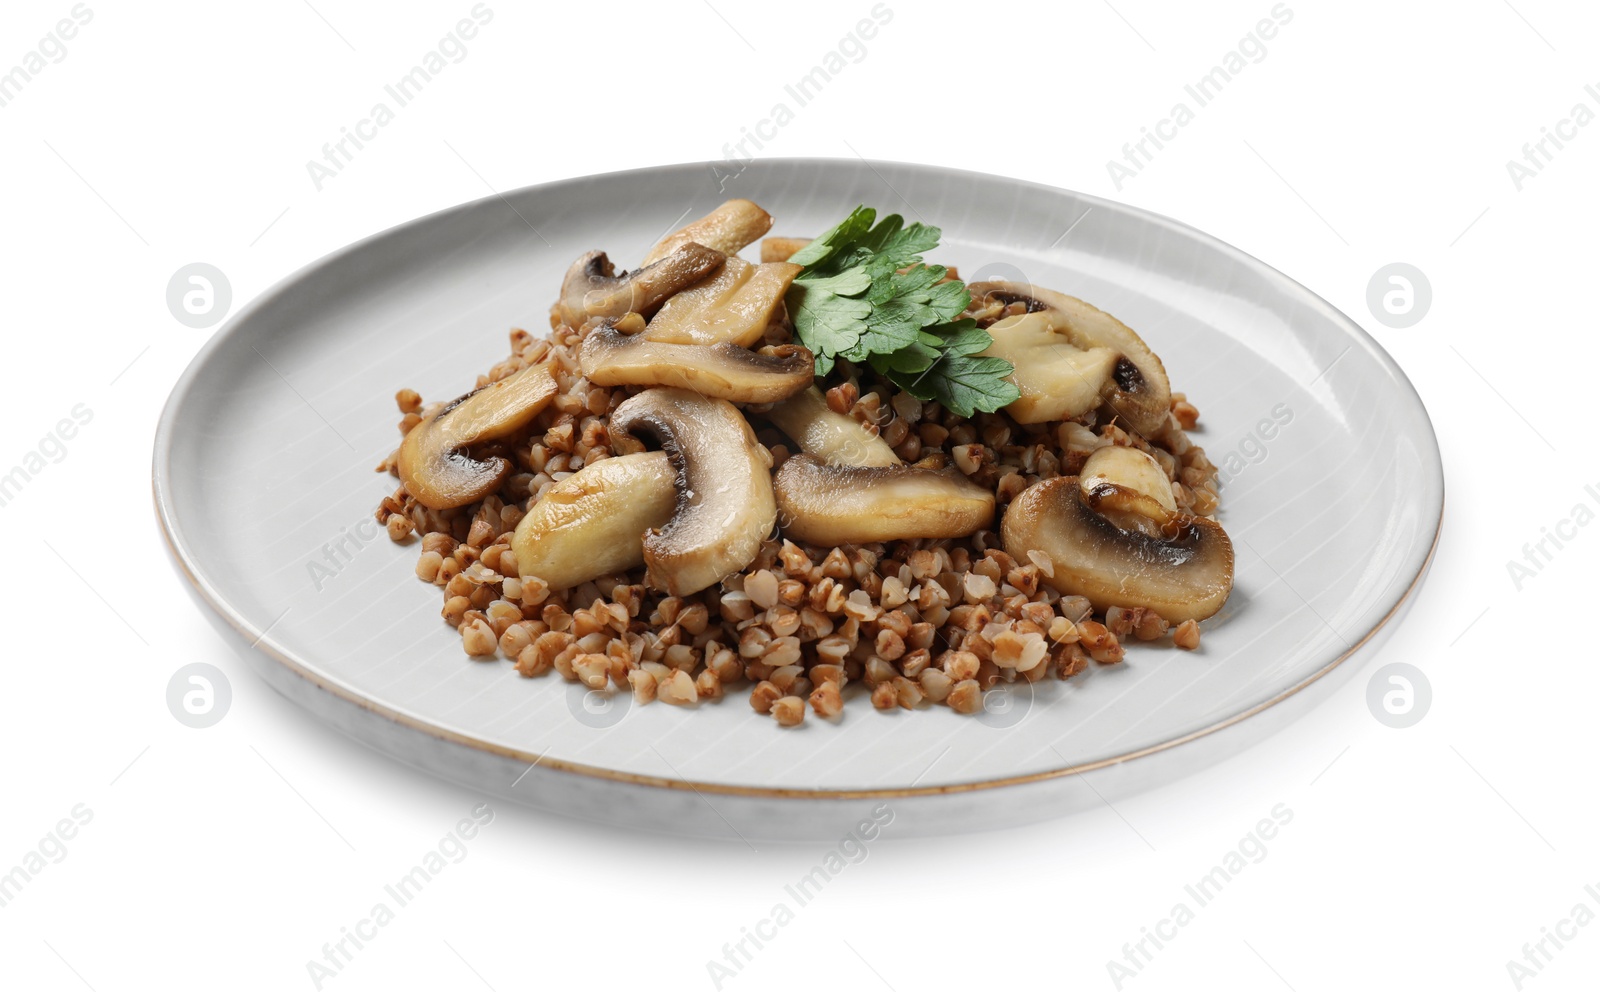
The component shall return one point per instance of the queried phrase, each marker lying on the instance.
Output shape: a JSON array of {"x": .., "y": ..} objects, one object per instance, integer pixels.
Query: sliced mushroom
[
  {"x": 434, "y": 463},
  {"x": 835, "y": 438},
  {"x": 725, "y": 507},
  {"x": 1130, "y": 468},
  {"x": 1056, "y": 379},
  {"x": 593, "y": 289},
  {"x": 829, "y": 505},
  {"x": 616, "y": 354},
  {"x": 1138, "y": 391},
  {"x": 728, "y": 229},
  {"x": 1177, "y": 565},
  {"x": 593, "y": 523},
  {"x": 781, "y": 249},
  {"x": 735, "y": 305}
]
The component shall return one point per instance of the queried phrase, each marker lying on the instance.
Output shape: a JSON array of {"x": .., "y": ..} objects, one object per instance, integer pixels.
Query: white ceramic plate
[{"x": 265, "y": 488}]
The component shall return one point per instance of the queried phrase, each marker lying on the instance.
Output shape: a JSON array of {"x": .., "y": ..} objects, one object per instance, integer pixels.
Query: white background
[{"x": 1370, "y": 133}]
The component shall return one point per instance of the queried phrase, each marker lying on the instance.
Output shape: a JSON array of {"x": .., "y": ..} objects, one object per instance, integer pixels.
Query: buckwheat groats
[{"x": 700, "y": 483}]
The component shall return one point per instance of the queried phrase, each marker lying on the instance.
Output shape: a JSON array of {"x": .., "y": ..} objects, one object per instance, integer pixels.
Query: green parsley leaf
[{"x": 865, "y": 295}]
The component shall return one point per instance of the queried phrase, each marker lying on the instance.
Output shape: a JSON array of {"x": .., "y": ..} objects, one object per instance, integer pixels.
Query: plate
[{"x": 264, "y": 487}]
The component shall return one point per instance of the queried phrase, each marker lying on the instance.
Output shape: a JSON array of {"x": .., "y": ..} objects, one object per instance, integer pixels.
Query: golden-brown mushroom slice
[
  {"x": 829, "y": 505},
  {"x": 1055, "y": 379},
  {"x": 593, "y": 523},
  {"x": 728, "y": 229},
  {"x": 725, "y": 507},
  {"x": 1118, "y": 547},
  {"x": 616, "y": 354},
  {"x": 1138, "y": 390},
  {"x": 734, "y": 306},
  {"x": 593, "y": 289},
  {"x": 835, "y": 438},
  {"x": 434, "y": 463}
]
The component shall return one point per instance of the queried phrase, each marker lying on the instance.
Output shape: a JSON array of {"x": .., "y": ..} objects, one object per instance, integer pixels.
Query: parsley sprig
[{"x": 865, "y": 295}]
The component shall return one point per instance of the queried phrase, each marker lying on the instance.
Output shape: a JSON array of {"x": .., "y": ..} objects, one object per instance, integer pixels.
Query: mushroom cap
[
  {"x": 434, "y": 463},
  {"x": 729, "y": 228},
  {"x": 1138, "y": 391},
  {"x": 725, "y": 507},
  {"x": 592, "y": 288},
  {"x": 610, "y": 356},
  {"x": 829, "y": 505},
  {"x": 836, "y": 438},
  {"x": 1180, "y": 566},
  {"x": 593, "y": 523}
]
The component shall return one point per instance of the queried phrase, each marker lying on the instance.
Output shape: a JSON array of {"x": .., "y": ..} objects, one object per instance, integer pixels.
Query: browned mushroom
[
  {"x": 728, "y": 229},
  {"x": 735, "y": 305},
  {"x": 829, "y": 505},
  {"x": 835, "y": 438},
  {"x": 1118, "y": 547},
  {"x": 592, "y": 288},
  {"x": 725, "y": 507},
  {"x": 434, "y": 462},
  {"x": 1055, "y": 379},
  {"x": 616, "y": 354},
  {"x": 1137, "y": 390},
  {"x": 593, "y": 523}
]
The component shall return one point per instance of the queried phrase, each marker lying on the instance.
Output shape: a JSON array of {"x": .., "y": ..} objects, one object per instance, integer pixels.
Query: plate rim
[{"x": 178, "y": 553}]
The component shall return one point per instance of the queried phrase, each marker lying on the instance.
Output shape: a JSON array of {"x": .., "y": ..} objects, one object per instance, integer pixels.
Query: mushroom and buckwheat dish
[{"x": 836, "y": 467}]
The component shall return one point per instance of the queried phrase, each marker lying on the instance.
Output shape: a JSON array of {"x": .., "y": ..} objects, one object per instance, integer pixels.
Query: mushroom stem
[
  {"x": 734, "y": 305},
  {"x": 836, "y": 438},
  {"x": 728, "y": 229},
  {"x": 830, "y": 505}
]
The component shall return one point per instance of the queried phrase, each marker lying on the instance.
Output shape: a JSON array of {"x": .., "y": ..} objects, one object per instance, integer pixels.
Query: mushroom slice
[
  {"x": 1138, "y": 391},
  {"x": 1179, "y": 566},
  {"x": 615, "y": 354},
  {"x": 1056, "y": 380},
  {"x": 1130, "y": 468},
  {"x": 725, "y": 507},
  {"x": 735, "y": 305},
  {"x": 728, "y": 229},
  {"x": 434, "y": 463},
  {"x": 593, "y": 289},
  {"x": 593, "y": 523},
  {"x": 781, "y": 249},
  {"x": 830, "y": 505},
  {"x": 835, "y": 438}
]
